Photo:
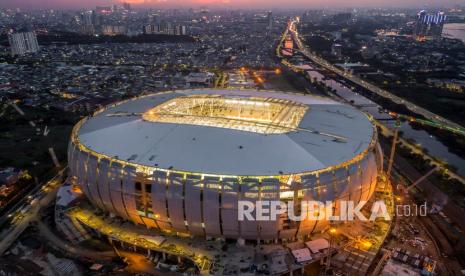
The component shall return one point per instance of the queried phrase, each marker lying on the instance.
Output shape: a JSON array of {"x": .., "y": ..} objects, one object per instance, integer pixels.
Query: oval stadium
[{"x": 180, "y": 161}]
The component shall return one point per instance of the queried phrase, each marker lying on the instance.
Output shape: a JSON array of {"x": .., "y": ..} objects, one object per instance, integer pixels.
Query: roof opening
[{"x": 254, "y": 114}]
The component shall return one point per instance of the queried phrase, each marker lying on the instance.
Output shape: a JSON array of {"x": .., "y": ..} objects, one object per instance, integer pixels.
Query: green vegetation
[
  {"x": 453, "y": 188},
  {"x": 287, "y": 81},
  {"x": 22, "y": 146}
]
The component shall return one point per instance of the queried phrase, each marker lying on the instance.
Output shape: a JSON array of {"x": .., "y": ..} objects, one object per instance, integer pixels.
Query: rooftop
[{"x": 295, "y": 133}]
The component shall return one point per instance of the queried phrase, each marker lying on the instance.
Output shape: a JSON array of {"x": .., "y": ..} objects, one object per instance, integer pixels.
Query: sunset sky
[{"x": 25, "y": 4}]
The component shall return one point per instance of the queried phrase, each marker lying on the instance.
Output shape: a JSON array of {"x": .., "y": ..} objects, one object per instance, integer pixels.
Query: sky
[{"x": 245, "y": 4}]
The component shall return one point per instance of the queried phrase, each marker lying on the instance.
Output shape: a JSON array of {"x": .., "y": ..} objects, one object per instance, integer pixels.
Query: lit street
[{"x": 28, "y": 211}]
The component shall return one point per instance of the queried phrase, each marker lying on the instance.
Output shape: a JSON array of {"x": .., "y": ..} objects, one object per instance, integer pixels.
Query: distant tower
[
  {"x": 437, "y": 25},
  {"x": 429, "y": 26},
  {"x": 89, "y": 20},
  {"x": 270, "y": 20},
  {"x": 336, "y": 50},
  {"x": 22, "y": 43},
  {"x": 421, "y": 26},
  {"x": 127, "y": 6}
]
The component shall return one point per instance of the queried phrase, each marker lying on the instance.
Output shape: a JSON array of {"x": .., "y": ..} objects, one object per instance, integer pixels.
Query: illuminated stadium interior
[{"x": 259, "y": 115}]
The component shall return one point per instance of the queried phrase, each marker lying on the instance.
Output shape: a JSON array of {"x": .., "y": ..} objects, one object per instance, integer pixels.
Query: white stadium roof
[{"x": 121, "y": 132}]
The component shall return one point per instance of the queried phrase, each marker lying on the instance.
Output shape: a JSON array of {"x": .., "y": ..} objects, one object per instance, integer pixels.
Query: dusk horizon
[
  {"x": 232, "y": 137},
  {"x": 228, "y": 4}
]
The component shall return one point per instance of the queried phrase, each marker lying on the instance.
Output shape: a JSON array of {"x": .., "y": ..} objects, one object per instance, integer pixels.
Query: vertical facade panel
[
  {"x": 250, "y": 192},
  {"x": 309, "y": 183},
  {"x": 269, "y": 191},
  {"x": 372, "y": 175},
  {"x": 92, "y": 181},
  {"x": 367, "y": 188},
  {"x": 175, "y": 201},
  {"x": 129, "y": 194},
  {"x": 103, "y": 183},
  {"x": 230, "y": 196},
  {"x": 342, "y": 182},
  {"x": 82, "y": 172},
  {"x": 290, "y": 195},
  {"x": 356, "y": 184},
  {"x": 211, "y": 206},
  {"x": 159, "y": 201},
  {"x": 73, "y": 161},
  {"x": 365, "y": 177},
  {"x": 326, "y": 188},
  {"x": 193, "y": 204},
  {"x": 116, "y": 192}
]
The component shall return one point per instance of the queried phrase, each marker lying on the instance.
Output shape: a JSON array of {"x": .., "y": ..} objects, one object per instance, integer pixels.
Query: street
[{"x": 28, "y": 210}]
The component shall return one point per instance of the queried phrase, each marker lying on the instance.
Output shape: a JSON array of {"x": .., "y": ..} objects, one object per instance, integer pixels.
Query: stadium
[{"x": 180, "y": 161}]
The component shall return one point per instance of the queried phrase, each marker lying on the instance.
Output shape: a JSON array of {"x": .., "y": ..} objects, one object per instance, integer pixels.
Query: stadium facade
[{"x": 180, "y": 161}]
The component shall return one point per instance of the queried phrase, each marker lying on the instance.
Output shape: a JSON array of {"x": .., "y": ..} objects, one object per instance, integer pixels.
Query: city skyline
[
  {"x": 232, "y": 137},
  {"x": 236, "y": 4}
]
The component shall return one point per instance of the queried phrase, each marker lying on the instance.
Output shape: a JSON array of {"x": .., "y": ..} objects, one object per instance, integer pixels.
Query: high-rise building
[
  {"x": 336, "y": 50},
  {"x": 22, "y": 43},
  {"x": 150, "y": 29},
  {"x": 89, "y": 19},
  {"x": 429, "y": 26},
  {"x": 127, "y": 6},
  {"x": 270, "y": 20},
  {"x": 165, "y": 28},
  {"x": 180, "y": 30},
  {"x": 114, "y": 30},
  {"x": 342, "y": 18}
]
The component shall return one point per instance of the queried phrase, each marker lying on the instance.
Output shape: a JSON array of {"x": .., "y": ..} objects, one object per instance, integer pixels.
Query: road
[
  {"x": 372, "y": 88},
  {"x": 28, "y": 210},
  {"x": 47, "y": 233},
  {"x": 31, "y": 207}
]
